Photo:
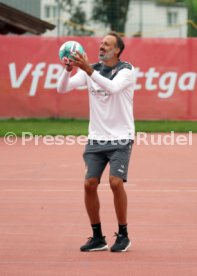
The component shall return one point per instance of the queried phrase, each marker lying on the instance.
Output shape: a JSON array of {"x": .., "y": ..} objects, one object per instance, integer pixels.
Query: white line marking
[
  {"x": 64, "y": 165},
  {"x": 81, "y": 179},
  {"x": 165, "y": 180},
  {"x": 85, "y": 224},
  {"x": 65, "y": 262},
  {"x": 81, "y": 190}
]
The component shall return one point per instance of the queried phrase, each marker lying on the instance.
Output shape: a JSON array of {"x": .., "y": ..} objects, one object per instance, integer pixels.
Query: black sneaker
[
  {"x": 95, "y": 244},
  {"x": 121, "y": 244}
]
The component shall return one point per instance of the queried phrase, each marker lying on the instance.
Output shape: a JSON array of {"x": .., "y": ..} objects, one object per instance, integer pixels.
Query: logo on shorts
[{"x": 121, "y": 169}]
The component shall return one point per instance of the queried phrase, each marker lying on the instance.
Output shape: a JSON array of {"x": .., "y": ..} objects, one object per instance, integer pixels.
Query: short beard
[{"x": 107, "y": 56}]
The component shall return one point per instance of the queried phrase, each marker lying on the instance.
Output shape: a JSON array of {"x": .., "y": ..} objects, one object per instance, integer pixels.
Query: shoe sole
[
  {"x": 104, "y": 248},
  {"x": 123, "y": 250}
]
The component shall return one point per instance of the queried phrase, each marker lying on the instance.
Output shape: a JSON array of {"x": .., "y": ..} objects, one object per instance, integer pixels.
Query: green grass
[
  {"x": 44, "y": 126},
  {"x": 166, "y": 126},
  {"x": 80, "y": 127}
]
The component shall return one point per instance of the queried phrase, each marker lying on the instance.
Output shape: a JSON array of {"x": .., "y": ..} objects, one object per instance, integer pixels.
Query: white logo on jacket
[{"x": 99, "y": 92}]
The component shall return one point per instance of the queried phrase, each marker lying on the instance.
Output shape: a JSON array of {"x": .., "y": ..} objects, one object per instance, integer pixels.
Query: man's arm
[
  {"x": 123, "y": 79},
  {"x": 67, "y": 83}
]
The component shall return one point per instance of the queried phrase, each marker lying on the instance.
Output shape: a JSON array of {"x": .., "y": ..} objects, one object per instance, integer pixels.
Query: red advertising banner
[{"x": 166, "y": 78}]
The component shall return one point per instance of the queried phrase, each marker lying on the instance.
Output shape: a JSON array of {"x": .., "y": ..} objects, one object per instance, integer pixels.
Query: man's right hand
[{"x": 66, "y": 62}]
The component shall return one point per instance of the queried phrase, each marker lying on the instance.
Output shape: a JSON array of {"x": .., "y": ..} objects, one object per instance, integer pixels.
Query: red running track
[{"x": 43, "y": 220}]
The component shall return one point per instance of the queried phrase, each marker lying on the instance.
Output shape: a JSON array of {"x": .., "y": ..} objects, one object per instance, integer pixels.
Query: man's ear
[{"x": 117, "y": 50}]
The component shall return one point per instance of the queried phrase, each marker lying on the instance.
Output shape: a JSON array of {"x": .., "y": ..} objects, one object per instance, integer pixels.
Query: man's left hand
[{"x": 81, "y": 61}]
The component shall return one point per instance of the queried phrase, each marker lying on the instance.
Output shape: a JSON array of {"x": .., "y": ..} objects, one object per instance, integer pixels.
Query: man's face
[{"x": 108, "y": 48}]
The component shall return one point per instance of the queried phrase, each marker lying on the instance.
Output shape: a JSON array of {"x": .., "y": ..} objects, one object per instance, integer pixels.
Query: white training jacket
[{"x": 111, "y": 91}]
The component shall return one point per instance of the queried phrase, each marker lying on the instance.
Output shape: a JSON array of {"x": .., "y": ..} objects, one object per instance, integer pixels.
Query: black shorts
[{"x": 98, "y": 153}]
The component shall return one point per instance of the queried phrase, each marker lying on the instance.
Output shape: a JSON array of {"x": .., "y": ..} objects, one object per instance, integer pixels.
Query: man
[{"x": 111, "y": 132}]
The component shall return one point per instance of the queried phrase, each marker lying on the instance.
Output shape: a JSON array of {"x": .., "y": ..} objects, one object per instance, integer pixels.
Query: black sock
[
  {"x": 97, "y": 232},
  {"x": 123, "y": 229}
]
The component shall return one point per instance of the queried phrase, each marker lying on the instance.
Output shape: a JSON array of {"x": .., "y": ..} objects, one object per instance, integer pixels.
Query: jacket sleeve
[
  {"x": 67, "y": 83},
  {"x": 123, "y": 79}
]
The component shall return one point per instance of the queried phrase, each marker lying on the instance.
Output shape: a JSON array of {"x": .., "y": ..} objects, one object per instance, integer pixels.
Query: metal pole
[
  {"x": 58, "y": 17},
  {"x": 140, "y": 17}
]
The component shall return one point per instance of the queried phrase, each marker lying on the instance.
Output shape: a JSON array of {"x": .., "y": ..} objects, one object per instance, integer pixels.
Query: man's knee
[
  {"x": 91, "y": 184},
  {"x": 116, "y": 183}
]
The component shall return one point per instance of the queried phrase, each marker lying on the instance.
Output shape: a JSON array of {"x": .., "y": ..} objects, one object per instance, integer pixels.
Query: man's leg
[
  {"x": 120, "y": 203},
  {"x": 122, "y": 242},
  {"x": 120, "y": 199},
  {"x": 97, "y": 242},
  {"x": 92, "y": 200}
]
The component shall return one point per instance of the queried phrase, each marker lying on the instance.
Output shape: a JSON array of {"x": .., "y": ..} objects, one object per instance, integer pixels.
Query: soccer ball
[{"x": 68, "y": 50}]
